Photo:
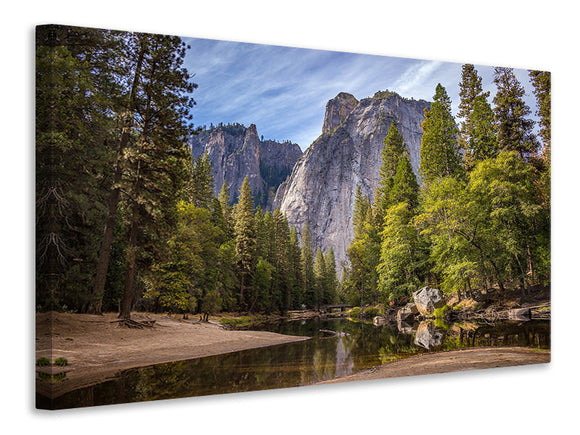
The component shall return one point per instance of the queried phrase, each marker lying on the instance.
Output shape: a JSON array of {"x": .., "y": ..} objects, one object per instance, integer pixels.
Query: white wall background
[{"x": 522, "y": 34}]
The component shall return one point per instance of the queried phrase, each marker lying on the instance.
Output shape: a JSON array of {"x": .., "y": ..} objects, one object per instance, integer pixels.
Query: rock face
[
  {"x": 337, "y": 110},
  {"x": 236, "y": 151},
  {"x": 428, "y": 300},
  {"x": 321, "y": 189}
]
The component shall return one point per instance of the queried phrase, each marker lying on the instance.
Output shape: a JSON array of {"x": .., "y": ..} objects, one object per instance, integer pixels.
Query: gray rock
[
  {"x": 428, "y": 336},
  {"x": 322, "y": 187},
  {"x": 428, "y": 300}
]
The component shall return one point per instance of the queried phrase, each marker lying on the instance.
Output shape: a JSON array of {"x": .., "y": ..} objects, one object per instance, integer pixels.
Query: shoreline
[
  {"x": 97, "y": 349},
  {"x": 472, "y": 358}
]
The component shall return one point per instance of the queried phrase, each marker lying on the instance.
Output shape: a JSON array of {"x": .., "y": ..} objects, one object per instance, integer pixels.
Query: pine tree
[
  {"x": 307, "y": 260},
  {"x": 439, "y": 147},
  {"x": 320, "y": 281},
  {"x": 405, "y": 186},
  {"x": 296, "y": 268},
  {"x": 199, "y": 192},
  {"x": 76, "y": 82},
  {"x": 158, "y": 163},
  {"x": 477, "y": 136},
  {"x": 391, "y": 154},
  {"x": 542, "y": 82},
  {"x": 245, "y": 236},
  {"x": 363, "y": 254},
  {"x": 514, "y": 129},
  {"x": 331, "y": 280},
  {"x": 398, "y": 265},
  {"x": 224, "y": 199}
]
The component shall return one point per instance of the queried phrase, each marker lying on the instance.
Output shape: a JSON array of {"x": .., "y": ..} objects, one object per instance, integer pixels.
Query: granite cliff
[
  {"x": 236, "y": 151},
  {"x": 322, "y": 186}
]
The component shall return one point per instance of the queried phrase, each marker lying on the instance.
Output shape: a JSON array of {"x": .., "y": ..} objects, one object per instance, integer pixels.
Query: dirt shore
[
  {"x": 451, "y": 361},
  {"x": 96, "y": 348}
]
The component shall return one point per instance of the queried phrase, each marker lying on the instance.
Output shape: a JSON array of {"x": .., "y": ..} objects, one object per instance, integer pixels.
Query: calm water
[{"x": 361, "y": 346}]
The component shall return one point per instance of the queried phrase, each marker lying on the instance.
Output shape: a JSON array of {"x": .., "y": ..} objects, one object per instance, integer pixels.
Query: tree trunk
[
  {"x": 127, "y": 301},
  {"x": 96, "y": 303}
]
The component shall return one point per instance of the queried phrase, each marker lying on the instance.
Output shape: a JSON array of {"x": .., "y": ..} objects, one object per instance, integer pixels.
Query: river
[{"x": 357, "y": 346}]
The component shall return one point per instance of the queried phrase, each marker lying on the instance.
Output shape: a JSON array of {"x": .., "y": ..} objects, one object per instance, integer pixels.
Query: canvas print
[{"x": 216, "y": 217}]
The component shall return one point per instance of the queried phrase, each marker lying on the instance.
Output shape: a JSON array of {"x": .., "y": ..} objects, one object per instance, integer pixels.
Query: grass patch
[
  {"x": 243, "y": 322},
  {"x": 366, "y": 313},
  {"x": 42, "y": 362},
  {"x": 61, "y": 362}
]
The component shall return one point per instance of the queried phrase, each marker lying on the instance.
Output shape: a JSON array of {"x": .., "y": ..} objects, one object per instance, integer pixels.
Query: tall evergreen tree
[
  {"x": 158, "y": 163},
  {"x": 542, "y": 82},
  {"x": 307, "y": 260},
  {"x": 76, "y": 83},
  {"x": 405, "y": 186},
  {"x": 514, "y": 129},
  {"x": 439, "y": 147},
  {"x": 391, "y": 154},
  {"x": 320, "y": 281},
  {"x": 245, "y": 236},
  {"x": 199, "y": 192},
  {"x": 224, "y": 199},
  {"x": 296, "y": 269},
  {"x": 363, "y": 254},
  {"x": 477, "y": 136},
  {"x": 331, "y": 279}
]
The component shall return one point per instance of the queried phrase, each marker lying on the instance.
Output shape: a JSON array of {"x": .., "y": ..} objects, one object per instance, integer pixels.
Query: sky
[{"x": 284, "y": 90}]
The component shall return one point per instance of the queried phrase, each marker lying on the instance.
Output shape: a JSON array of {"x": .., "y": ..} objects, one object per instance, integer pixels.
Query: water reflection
[
  {"x": 428, "y": 336},
  {"x": 358, "y": 347}
]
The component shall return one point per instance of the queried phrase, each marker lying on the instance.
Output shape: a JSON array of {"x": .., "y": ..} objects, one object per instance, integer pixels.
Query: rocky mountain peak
[
  {"x": 337, "y": 110},
  {"x": 236, "y": 151},
  {"x": 322, "y": 187}
]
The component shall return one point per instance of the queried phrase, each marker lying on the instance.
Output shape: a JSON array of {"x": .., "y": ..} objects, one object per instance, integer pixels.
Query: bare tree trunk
[
  {"x": 127, "y": 301},
  {"x": 95, "y": 306}
]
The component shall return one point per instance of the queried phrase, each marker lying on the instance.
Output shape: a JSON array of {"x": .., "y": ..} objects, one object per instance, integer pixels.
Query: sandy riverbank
[
  {"x": 96, "y": 348},
  {"x": 451, "y": 361}
]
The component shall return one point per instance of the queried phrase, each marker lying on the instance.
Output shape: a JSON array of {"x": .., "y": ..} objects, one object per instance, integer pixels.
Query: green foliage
[
  {"x": 42, "y": 362},
  {"x": 514, "y": 129},
  {"x": 441, "y": 313},
  {"x": 391, "y": 156},
  {"x": 405, "y": 187},
  {"x": 400, "y": 256},
  {"x": 477, "y": 136},
  {"x": 439, "y": 147},
  {"x": 61, "y": 362},
  {"x": 363, "y": 254}
]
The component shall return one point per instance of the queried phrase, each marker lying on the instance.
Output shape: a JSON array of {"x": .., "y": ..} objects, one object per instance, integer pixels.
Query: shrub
[
  {"x": 61, "y": 362},
  {"x": 440, "y": 313},
  {"x": 42, "y": 362}
]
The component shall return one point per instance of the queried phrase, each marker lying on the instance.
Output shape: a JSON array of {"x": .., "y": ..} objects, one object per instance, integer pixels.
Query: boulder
[
  {"x": 428, "y": 300},
  {"x": 428, "y": 336},
  {"x": 407, "y": 312}
]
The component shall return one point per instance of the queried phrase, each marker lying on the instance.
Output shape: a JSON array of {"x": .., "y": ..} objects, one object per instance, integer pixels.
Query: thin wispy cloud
[{"x": 284, "y": 90}]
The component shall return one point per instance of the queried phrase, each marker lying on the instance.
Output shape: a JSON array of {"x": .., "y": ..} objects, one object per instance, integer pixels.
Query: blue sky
[{"x": 284, "y": 90}]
